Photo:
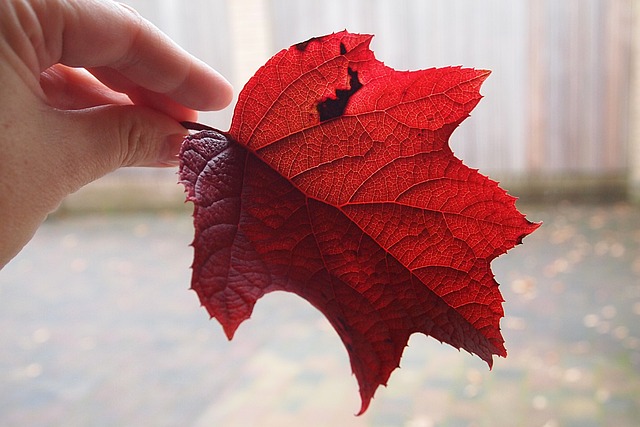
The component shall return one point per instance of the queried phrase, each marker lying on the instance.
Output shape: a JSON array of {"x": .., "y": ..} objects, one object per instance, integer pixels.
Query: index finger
[{"x": 105, "y": 34}]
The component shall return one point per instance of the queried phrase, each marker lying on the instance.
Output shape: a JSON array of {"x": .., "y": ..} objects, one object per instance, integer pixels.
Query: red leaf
[{"x": 342, "y": 189}]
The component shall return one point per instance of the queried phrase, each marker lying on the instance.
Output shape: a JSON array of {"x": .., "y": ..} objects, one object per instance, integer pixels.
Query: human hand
[{"x": 62, "y": 127}]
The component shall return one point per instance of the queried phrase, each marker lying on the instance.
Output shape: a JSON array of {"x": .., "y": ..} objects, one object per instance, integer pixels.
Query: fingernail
[{"x": 171, "y": 149}]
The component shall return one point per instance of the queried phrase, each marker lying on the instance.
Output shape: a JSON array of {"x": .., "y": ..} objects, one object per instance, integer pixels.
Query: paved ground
[{"x": 98, "y": 328}]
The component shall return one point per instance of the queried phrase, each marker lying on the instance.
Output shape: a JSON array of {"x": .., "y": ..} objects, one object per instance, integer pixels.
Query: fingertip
[
  {"x": 168, "y": 153},
  {"x": 214, "y": 89},
  {"x": 224, "y": 96}
]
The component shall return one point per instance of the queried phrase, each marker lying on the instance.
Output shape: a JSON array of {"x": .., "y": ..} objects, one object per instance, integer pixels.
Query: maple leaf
[{"x": 336, "y": 182}]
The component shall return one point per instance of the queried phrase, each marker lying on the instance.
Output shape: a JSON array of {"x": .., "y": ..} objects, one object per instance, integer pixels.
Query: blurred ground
[{"x": 98, "y": 327}]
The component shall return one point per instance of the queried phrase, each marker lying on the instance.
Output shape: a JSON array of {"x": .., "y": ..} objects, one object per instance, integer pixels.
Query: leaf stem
[{"x": 196, "y": 126}]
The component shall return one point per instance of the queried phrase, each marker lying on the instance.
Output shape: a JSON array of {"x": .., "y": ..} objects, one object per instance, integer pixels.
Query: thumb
[
  {"x": 46, "y": 160},
  {"x": 93, "y": 142}
]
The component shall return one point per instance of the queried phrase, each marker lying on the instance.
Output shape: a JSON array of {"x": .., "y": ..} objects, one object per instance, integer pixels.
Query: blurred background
[{"x": 98, "y": 327}]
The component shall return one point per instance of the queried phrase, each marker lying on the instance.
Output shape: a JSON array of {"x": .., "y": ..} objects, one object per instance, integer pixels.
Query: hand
[{"x": 62, "y": 127}]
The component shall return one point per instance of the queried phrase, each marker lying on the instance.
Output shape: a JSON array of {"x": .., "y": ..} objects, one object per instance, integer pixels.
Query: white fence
[{"x": 556, "y": 106}]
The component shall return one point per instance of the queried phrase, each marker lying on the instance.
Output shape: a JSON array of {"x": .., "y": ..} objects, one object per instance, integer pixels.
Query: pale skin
[{"x": 86, "y": 87}]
